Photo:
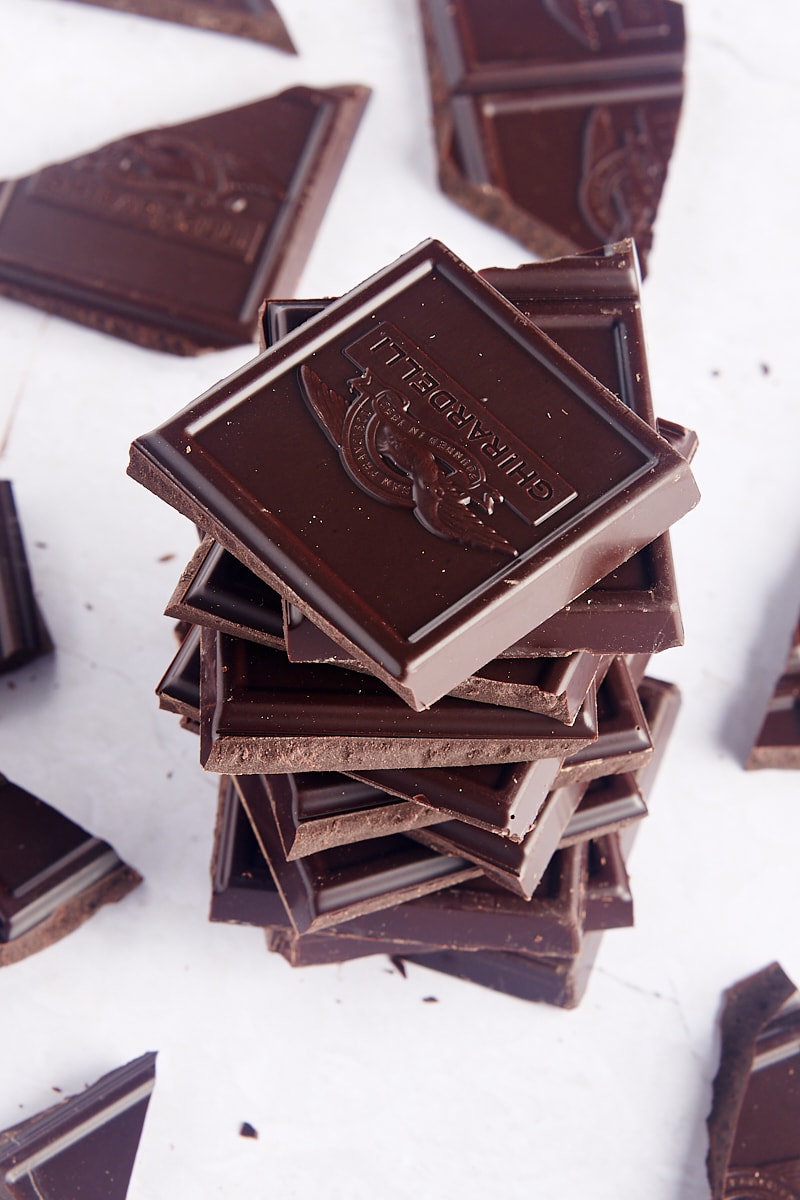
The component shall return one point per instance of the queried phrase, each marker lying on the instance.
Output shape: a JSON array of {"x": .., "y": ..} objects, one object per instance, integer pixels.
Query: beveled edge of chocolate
[
  {"x": 748, "y": 1006},
  {"x": 23, "y": 633},
  {"x": 777, "y": 743},
  {"x": 262, "y": 23},
  {"x": 62, "y": 895},
  {"x": 42, "y": 1137},
  {"x": 609, "y": 900},
  {"x": 178, "y": 690},
  {"x": 623, "y": 738},
  {"x": 158, "y": 325},
  {"x": 166, "y": 461}
]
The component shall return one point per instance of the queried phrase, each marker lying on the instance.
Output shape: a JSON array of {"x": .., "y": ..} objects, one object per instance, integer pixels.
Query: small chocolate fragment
[
  {"x": 256, "y": 19},
  {"x": 178, "y": 690},
  {"x": 778, "y": 740},
  {"x": 623, "y": 738},
  {"x": 339, "y": 884},
  {"x": 23, "y": 635},
  {"x": 171, "y": 237},
  {"x": 246, "y": 1130},
  {"x": 557, "y": 981},
  {"x": 754, "y": 1124},
  {"x": 83, "y": 1147},
  {"x": 271, "y": 462},
  {"x": 555, "y": 119},
  {"x": 53, "y": 874},
  {"x": 262, "y": 714},
  {"x": 609, "y": 901}
]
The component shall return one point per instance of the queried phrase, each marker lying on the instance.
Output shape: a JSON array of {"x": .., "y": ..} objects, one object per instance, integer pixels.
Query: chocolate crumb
[
  {"x": 247, "y": 1130},
  {"x": 715, "y": 374},
  {"x": 166, "y": 557},
  {"x": 398, "y": 965},
  {"x": 765, "y": 368},
  {"x": 430, "y": 999}
]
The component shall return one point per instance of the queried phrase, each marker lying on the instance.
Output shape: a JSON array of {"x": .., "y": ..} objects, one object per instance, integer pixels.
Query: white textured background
[{"x": 359, "y": 1089}]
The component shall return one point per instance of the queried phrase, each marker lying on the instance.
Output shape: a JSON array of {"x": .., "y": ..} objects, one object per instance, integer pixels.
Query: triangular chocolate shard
[
  {"x": 84, "y": 1146},
  {"x": 256, "y": 19},
  {"x": 778, "y": 741},
  {"x": 23, "y": 634},
  {"x": 53, "y": 874},
  {"x": 172, "y": 237}
]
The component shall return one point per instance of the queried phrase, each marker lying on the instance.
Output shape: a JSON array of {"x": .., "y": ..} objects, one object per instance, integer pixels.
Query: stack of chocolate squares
[{"x": 436, "y": 564}]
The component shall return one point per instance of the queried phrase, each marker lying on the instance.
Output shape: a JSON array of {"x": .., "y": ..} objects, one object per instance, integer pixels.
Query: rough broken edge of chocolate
[
  {"x": 267, "y": 26},
  {"x": 772, "y": 748},
  {"x": 748, "y": 1007},
  {"x": 70, "y": 915}
]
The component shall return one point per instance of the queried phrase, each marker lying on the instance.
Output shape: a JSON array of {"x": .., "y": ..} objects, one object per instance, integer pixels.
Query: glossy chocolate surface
[
  {"x": 609, "y": 900},
  {"x": 271, "y": 461},
  {"x": 53, "y": 874},
  {"x": 178, "y": 690},
  {"x": 257, "y": 19},
  {"x": 555, "y": 119},
  {"x": 23, "y": 635},
  {"x": 778, "y": 740},
  {"x": 262, "y": 714},
  {"x": 341, "y": 883},
  {"x": 590, "y": 305},
  {"x": 171, "y": 237},
  {"x": 83, "y": 1147},
  {"x": 754, "y": 1124},
  {"x": 623, "y": 738}
]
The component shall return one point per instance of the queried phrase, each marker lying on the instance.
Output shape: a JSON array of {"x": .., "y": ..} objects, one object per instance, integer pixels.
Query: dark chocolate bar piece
[
  {"x": 23, "y": 635},
  {"x": 53, "y": 874},
  {"x": 555, "y": 119},
  {"x": 609, "y": 900},
  {"x": 178, "y": 690},
  {"x": 341, "y": 883},
  {"x": 557, "y": 981},
  {"x": 476, "y": 914},
  {"x": 171, "y": 237},
  {"x": 262, "y": 714},
  {"x": 778, "y": 740},
  {"x": 590, "y": 305},
  {"x": 754, "y": 1124},
  {"x": 623, "y": 738},
  {"x": 85, "y": 1146},
  {"x": 256, "y": 19},
  {"x": 215, "y": 589},
  {"x": 283, "y": 464}
]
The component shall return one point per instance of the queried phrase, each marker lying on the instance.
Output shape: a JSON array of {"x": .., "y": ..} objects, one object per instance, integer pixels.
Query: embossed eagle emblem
[
  {"x": 623, "y": 176},
  {"x": 391, "y": 455}
]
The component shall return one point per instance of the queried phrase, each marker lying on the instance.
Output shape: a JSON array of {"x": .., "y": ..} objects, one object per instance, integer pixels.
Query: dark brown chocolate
[
  {"x": 477, "y": 914},
  {"x": 53, "y": 874},
  {"x": 555, "y": 119},
  {"x": 256, "y": 19},
  {"x": 778, "y": 741},
  {"x": 557, "y": 981},
  {"x": 171, "y": 237},
  {"x": 754, "y": 1124},
  {"x": 609, "y": 900},
  {"x": 279, "y": 464},
  {"x": 178, "y": 690},
  {"x": 85, "y": 1146},
  {"x": 623, "y": 738},
  {"x": 23, "y": 635},
  {"x": 339, "y": 884},
  {"x": 262, "y": 714}
]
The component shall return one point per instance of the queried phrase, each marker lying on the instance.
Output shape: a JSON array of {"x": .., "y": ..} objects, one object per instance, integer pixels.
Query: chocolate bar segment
[
  {"x": 555, "y": 119},
  {"x": 754, "y": 1124},
  {"x": 171, "y": 237},
  {"x": 53, "y": 874},
  {"x": 623, "y": 738},
  {"x": 778, "y": 740},
  {"x": 282, "y": 463},
  {"x": 262, "y": 714},
  {"x": 23, "y": 635},
  {"x": 85, "y": 1146},
  {"x": 257, "y": 19}
]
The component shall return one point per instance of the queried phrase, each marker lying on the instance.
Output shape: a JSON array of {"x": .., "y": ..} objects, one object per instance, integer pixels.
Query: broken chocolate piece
[
  {"x": 256, "y": 19},
  {"x": 171, "y": 237},
  {"x": 179, "y": 688},
  {"x": 609, "y": 901},
  {"x": 555, "y": 119},
  {"x": 778, "y": 740},
  {"x": 754, "y": 1124},
  {"x": 85, "y": 1146},
  {"x": 23, "y": 635},
  {"x": 53, "y": 874},
  {"x": 285, "y": 456},
  {"x": 623, "y": 738},
  {"x": 262, "y": 714}
]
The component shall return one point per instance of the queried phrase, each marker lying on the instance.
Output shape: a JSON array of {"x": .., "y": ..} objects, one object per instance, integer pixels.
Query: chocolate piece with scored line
[
  {"x": 23, "y": 634},
  {"x": 778, "y": 741},
  {"x": 257, "y": 19}
]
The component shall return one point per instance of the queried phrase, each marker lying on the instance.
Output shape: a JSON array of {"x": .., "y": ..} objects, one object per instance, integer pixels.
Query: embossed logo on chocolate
[
  {"x": 623, "y": 175},
  {"x": 600, "y": 24},
  {"x": 166, "y": 185},
  {"x": 409, "y": 436}
]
